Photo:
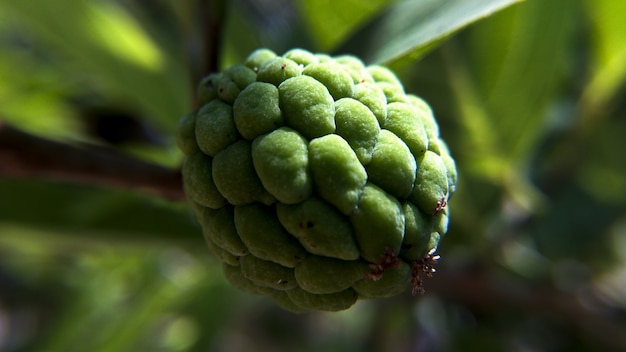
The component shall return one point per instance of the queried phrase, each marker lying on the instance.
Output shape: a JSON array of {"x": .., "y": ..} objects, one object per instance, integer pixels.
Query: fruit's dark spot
[
  {"x": 282, "y": 67},
  {"x": 440, "y": 206},
  {"x": 425, "y": 265},
  {"x": 306, "y": 225},
  {"x": 283, "y": 282}
]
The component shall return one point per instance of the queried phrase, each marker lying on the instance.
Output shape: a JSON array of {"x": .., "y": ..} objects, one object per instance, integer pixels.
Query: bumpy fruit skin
[{"x": 317, "y": 180}]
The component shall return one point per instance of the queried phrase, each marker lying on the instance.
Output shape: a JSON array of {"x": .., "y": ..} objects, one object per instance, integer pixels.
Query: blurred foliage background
[{"x": 529, "y": 96}]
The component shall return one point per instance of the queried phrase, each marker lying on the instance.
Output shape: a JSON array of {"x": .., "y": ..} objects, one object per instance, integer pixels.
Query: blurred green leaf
[
  {"x": 83, "y": 214},
  {"x": 100, "y": 43},
  {"x": 515, "y": 62},
  {"x": 27, "y": 101},
  {"x": 609, "y": 51},
  {"x": 411, "y": 28},
  {"x": 518, "y": 60},
  {"x": 330, "y": 22},
  {"x": 603, "y": 172}
]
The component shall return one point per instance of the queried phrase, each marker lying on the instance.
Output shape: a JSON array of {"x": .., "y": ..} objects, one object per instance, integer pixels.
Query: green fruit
[
  {"x": 276, "y": 244},
  {"x": 337, "y": 172},
  {"x": 282, "y": 299},
  {"x": 215, "y": 127},
  {"x": 281, "y": 161},
  {"x": 308, "y": 106},
  {"x": 431, "y": 184},
  {"x": 258, "y": 58},
  {"x": 392, "y": 166},
  {"x": 316, "y": 179},
  {"x": 198, "y": 181},
  {"x": 235, "y": 177},
  {"x": 233, "y": 80},
  {"x": 301, "y": 57},
  {"x": 403, "y": 120},
  {"x": 418, "y": 228},
  {"x": 235, "y": 276},
  {"x": 219, "y": 227},
  {"x": 256, "y": 110},
  {"x": 207, "y": 88},
  {"x": 336, "y": 79},
  {"x": 223, "y": 255},
  {"x": 355, "y": 68},
  {"x": 277, "y": 70},
  {"x": 378, "y": 223},
  {"x": 395, "y": 281},
  {"x": 320, "y": 228},
  {"x": 325, "y": 302},
  {"x": 358, "y": 126},
  {"x": 186, "y": 134},
  {"x": 267, "y": 274},
  {"x": 322, "y": 275},
  {"x": 374, "y": 98}
]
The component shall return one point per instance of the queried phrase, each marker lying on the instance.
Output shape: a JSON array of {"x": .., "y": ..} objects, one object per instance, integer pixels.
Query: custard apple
[{"x": 316, "y": 180}]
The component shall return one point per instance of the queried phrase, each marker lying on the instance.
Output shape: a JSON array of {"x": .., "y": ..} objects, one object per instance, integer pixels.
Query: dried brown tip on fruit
[
  {"x": 421, "y": 266},
  {"x": 390, "y": 260},
  {"x": 440, "y": 206}
]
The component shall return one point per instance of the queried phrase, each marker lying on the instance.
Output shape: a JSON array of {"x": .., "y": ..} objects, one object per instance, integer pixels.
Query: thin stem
[
  {"x": 482, "y": 290},
  {"x": 25, "y": 155},
  {"x": 212, "y": 13}
]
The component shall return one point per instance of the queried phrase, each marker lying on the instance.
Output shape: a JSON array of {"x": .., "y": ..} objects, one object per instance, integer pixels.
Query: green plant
[{"x": 100, "y": 252}]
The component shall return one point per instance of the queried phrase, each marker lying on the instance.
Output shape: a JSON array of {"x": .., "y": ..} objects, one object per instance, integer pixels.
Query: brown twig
[
  {"x": 212, "y": 14},
  {"x": 25, "y": 155},
  {"x": 204, "y": 40},
  {"x": 481, "y": 290}
]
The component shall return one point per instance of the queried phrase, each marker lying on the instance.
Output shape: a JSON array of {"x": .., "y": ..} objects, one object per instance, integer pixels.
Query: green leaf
[
  {"x": 504, "y": 81},
  {"x": 83, "y": 214},
  {"x": 330, "y": 21},
  {"x": 99, "y": 44},
  {"x": 411, "y": 28},
  {"x": 518, "y": 59},
  {"x": 609, "y": 51}
]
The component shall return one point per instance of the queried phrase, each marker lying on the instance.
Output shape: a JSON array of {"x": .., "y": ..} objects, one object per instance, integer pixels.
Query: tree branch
[
  {"x": 212, "y": 13},
  {"x": 478, "y": 287},
  {"x": 25, "y": 155}
]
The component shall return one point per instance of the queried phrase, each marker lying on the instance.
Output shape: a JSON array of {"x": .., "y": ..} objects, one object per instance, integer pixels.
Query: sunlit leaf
[
  {"x": 102, "y": 46},
  {"x": 410, "y": 28},
  {"x": 331, "y": 21},
  {"x": 518, "y": 60},
  {"x": 27, "y": 101},
  {"x": 119, "y": 34},
  {"x": 482, "y": 143}
]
